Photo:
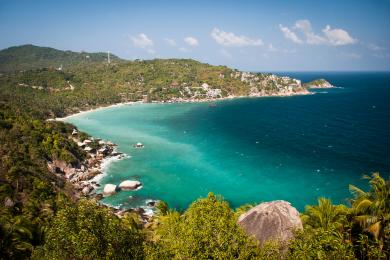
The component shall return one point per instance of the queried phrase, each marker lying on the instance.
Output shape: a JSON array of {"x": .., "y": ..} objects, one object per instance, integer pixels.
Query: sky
[{"x": 290, "y": 35}]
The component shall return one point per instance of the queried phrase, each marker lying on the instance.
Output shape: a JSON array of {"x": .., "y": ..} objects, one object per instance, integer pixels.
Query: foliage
[
  {"x": 27, "y": 57},
  {"x": 371, "y": 210},
  {"x": 162, "y": 208},
  {"x": 336, "y": 230},
  {"x": 90, "y": 231},
  {"x": 325, "y": 215},
  {"x": 243, "y": 208},
  {"x": 320, "y": 244},
  {"x": 32, "y": 83},
  {"x": 206, "y": 230},
  {"x": 16, "y": 237},
  {"x": 29, "y": 193},
  {"x": 317, "y": 82}
]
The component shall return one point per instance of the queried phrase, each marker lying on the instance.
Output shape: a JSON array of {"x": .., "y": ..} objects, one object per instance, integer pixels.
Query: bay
[{"x": 251, "y": 149}]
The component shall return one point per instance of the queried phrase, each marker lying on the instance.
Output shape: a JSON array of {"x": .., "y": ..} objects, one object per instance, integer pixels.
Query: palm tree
[
  {"x": 15, "y": 237},
  {"x": 371, "y": 209},
  {"x": 325, "y": 215}
]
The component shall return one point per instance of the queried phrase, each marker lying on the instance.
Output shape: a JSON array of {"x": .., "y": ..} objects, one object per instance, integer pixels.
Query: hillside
[
  {"x": 34, "y": 81},
  {"x": 27, "y": 57}
]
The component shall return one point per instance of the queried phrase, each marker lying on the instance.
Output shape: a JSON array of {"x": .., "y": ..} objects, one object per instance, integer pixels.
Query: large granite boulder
[
  {"x": 129, "y": 185},
  {"x": 275, "y": 220},
  {"x": 109, "y": 189}
]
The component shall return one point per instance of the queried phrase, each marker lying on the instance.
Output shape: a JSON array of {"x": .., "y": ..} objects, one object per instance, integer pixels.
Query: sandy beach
[{"x": 181, "y": 100}]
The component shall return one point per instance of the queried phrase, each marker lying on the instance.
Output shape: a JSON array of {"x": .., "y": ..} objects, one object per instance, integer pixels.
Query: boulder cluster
[
  {"x": 110, "y": 189},
  {"x": 82, "y": 174}
]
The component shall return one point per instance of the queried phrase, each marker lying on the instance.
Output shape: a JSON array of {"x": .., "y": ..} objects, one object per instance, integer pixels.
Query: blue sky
[{"x": 249, "y": 35}]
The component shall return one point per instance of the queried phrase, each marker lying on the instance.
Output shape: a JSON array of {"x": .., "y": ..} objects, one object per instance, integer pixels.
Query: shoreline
[
  {"x": 98, "y": 169},
  {"x": 180, "y": 100},
  {"x": 62, "y": 119}
]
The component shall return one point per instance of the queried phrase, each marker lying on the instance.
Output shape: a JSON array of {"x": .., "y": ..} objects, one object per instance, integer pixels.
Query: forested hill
[
  {"x": 27, "y": 57},
  {"x": 32, "y": 80}
]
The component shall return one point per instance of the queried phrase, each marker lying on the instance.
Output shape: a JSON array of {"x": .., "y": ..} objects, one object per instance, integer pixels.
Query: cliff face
[{"x": 270, "y": 221}]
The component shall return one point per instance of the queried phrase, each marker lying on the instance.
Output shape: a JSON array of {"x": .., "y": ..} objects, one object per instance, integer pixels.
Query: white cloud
[
  {"x": 334, "y": 37},
  {"x": 230, "y": 39},
  {"x": 305, "y": 27},
  {"x": 170, "y": 42},
  {"x": 191, "y": 41},
  {"x": 288, "y": 34},
  {"x": 338, "y": 37},
  {"x": 182, "y": 49},
  {"x": 142, "y": 41},
  {"x": 314, "y": 39}
]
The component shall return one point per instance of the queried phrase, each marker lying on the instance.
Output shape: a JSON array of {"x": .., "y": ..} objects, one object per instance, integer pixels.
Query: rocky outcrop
[
  {"x": 82, "y": 174},
  {"x": 275, "y": 220},
  {"x": 129, "y": 185},
  {"x": 318, "y": 83},
  {"x": 109, "y": 189},
  {"x": 86, "y": 190}
]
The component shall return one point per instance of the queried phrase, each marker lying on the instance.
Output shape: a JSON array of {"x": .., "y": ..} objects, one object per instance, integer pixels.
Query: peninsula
[{"x": 57, "y": 83}]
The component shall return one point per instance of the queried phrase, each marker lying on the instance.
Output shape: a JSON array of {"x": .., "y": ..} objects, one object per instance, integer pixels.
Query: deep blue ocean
[{"x": 252, "y": 149}]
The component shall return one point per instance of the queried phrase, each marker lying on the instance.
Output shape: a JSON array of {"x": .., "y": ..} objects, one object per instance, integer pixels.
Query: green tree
[
  {"x": 162, "y": 208},
  {"x": 88, "y": 231},
  {"x": 320, "y": 244},
  {"x": 15, "y": 237},
  {"x": 207, "y": 230},
  {"x": 371, "y": 209},
  {"x": 325, "y": 215}
]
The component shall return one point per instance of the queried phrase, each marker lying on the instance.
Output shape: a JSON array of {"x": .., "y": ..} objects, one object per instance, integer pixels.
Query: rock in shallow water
[
  {"x": 109, "y": 189},
  {"x": 129, "y": 185},
  {"x": 271, "y": 220}
]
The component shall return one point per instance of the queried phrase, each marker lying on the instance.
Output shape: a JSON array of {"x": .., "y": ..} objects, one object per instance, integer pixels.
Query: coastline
[
  {"x": 181, "y": 100},
  {"x": 96, "y": 170},
  {"x": 94, "y": 109}
]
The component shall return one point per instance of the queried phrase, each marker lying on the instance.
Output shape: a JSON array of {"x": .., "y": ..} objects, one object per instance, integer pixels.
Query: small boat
[{"x": 138, "y": 145}]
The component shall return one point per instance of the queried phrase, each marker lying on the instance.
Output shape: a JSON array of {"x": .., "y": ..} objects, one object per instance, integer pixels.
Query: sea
[{"x": 251, "y": 150}]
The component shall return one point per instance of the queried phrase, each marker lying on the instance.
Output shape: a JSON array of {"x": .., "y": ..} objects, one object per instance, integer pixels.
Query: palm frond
[
  {"x": 357, "y": 192},
  {"x": 362, "y": 205},
  {"x": 375, "y": 229}
]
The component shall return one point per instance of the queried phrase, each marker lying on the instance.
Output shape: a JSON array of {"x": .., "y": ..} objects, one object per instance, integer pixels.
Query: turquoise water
[{"x": 251, "y": 149}]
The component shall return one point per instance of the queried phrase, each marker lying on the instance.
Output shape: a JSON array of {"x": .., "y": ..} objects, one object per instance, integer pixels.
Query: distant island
[{"x": 318, "y": 83}]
